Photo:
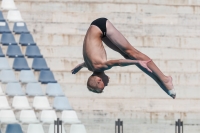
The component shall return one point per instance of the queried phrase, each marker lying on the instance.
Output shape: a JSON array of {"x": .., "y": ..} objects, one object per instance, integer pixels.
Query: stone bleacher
[{"x": 165, "y": 30}]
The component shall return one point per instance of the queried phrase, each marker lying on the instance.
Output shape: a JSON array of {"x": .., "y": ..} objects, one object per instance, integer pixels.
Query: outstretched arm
[
  {"x": 122, "y": 62},
  {"x": 78, "y": 68}
]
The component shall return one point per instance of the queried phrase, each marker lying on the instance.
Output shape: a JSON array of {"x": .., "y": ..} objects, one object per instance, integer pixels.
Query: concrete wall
[{"x": 165, "y": 30}]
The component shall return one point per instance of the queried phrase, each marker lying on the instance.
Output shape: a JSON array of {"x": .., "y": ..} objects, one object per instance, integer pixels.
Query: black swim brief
[{"x": 101, "y": 23}]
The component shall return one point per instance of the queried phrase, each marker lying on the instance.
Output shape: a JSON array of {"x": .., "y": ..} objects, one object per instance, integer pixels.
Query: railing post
[
  {"x": 122, "y": 126},
  {"x": 61, "y": 126},
  {"x": 118, "y": 126},
  {"x": 57, "y": 123},
  {"x": 178, "y": 124}
]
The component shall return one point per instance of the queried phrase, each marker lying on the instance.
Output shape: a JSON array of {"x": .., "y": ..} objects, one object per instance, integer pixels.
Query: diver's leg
[
  {"x": 114, "y": 47},
  {"x": 120, "y": 41}
]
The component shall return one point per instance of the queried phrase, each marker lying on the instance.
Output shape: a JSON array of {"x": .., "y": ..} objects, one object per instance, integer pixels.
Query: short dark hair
[{"x": 94, "y": 90}]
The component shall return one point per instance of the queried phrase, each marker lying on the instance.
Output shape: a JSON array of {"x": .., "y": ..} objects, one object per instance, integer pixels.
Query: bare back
[{"x": 93, "y": 49}]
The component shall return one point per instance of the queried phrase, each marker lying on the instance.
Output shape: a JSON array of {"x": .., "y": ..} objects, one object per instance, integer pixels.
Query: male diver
[{"x": 95, "y": 58}]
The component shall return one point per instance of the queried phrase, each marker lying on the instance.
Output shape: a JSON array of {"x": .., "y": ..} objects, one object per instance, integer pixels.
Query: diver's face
[
  {"x": 104, "y": 78},
  {"x": 100, "y": 84}
]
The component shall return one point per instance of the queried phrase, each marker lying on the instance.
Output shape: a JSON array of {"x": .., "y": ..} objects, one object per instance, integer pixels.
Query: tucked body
[{"x": 95, "y": 58}]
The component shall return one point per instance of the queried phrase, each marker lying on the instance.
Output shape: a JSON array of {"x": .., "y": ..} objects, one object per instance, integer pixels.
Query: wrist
[{"x": 138, "y": 61}]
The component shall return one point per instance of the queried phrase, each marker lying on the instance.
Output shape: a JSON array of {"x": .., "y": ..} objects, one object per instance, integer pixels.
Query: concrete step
[
  {"x": 155, "y": 40},
  {"x": 127, "y": 78},
  {"x": 135, "y": 104},
  {"x": 136, "y": 41},
  {"x": 80, "y": 7},
  {"x": 156, "y": 2},
  {"x": 154, "y": 53},
  {"x": 115, "y": 6},
  {"x": 127, "y": 91},
  {"x": 125, "y": 29},
  {"x": 138, "y": 117},
  {"x": 116, "y": 18},
  {"x": 140, "y": 41}
]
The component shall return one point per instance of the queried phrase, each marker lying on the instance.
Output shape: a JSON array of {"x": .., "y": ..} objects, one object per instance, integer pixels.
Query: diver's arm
[
  {"x": 78, "y": 68},
  {"x": 121, "y": 62}
]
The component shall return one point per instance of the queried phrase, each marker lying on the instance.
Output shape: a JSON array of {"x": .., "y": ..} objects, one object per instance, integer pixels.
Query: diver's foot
[{"x": 168, "y": 84}]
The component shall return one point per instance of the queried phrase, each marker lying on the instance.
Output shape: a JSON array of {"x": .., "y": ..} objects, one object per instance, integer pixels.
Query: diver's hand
[
  {"x": 77, "y": 68},
  {"x": 144, "y": 64}
]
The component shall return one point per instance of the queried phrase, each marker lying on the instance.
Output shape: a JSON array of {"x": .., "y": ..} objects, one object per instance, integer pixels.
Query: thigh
[
  {"x": 117, "y": 38},
  {"x": 114, "y": 47}
]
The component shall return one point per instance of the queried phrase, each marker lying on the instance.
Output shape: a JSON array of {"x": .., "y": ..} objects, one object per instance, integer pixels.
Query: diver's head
[{"x": 97, "y": 82}]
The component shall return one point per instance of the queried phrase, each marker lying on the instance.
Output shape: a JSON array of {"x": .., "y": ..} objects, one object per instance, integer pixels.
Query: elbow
[{"x": 97, "y": 68}]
